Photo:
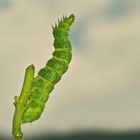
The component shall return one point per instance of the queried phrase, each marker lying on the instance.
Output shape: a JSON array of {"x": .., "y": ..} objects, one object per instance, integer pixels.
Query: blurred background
[{"x": 99, "y": 96}]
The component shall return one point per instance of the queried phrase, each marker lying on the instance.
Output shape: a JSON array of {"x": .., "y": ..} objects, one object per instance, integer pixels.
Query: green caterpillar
[{"x": 48, "y": 76}]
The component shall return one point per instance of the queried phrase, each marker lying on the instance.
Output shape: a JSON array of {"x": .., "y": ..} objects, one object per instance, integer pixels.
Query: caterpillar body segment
[{"x": 48, "y": 76}]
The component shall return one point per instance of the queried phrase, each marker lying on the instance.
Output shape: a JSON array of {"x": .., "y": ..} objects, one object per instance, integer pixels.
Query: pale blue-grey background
[{"x": 101, "y": 90}]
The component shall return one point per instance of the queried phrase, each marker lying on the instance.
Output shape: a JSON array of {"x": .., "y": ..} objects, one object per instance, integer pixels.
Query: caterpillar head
[{"x": 61, "y": 30}]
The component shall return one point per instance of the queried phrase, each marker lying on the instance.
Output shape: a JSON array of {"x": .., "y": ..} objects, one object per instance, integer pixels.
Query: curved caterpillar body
[{"x": 48, "y": 76}]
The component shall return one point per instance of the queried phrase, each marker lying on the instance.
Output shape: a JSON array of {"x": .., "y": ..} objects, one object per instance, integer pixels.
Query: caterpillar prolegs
[{"x": 48, "y": 76}]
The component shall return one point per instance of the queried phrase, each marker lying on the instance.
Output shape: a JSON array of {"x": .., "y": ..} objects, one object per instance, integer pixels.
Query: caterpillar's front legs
[{"x": 20, "y": 103}]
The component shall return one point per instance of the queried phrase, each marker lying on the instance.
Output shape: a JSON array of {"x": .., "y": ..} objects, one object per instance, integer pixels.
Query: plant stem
[{"x": 21, "y": 103}]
